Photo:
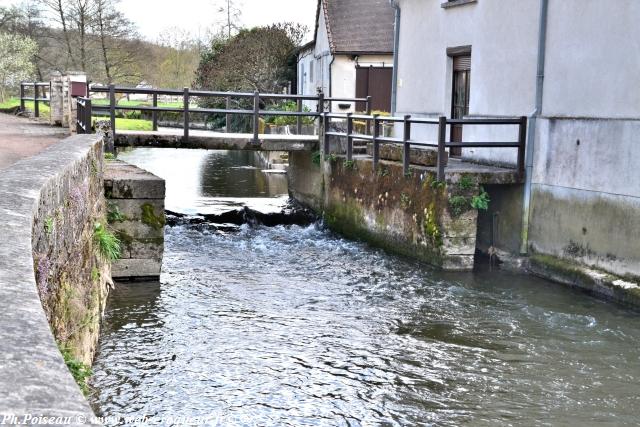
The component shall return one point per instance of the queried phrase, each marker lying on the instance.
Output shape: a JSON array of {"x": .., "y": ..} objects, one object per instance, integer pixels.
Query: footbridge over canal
[{"x": 387, "y": 180}]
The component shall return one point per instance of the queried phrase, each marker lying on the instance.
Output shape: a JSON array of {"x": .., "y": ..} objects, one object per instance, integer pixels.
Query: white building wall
[
  {"x": 585, "y": 183},
  {"x": 502, "y": 79}
]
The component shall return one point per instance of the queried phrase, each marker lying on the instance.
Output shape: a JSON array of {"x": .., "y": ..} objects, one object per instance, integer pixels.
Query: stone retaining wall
[{"x": 48, "y": 207}]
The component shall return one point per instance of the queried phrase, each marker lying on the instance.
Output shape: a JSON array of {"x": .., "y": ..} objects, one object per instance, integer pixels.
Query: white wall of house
[{"x": 584, "y": 195}]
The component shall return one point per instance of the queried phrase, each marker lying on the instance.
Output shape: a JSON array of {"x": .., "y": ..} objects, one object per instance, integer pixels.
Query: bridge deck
[{"x": 174, "y": 138}]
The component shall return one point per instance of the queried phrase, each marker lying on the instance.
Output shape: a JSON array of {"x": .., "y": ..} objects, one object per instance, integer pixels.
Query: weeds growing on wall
[
  {"x": 109, "y": 156},
  {"x": 79, "y": 370},
  {"x": 48, "y": 225},
  {"x": 349, "y": 164},
  {"x": 108, "y": 244},
  {"x": 114, "y": 214},
  {"x": 315, "y": 158},
  {"x": 481, "y": 201}
]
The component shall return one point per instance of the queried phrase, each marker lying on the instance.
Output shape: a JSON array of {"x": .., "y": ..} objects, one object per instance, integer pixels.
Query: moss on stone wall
[
  {"x": 149, "y": 217},
  {"x": 73, "y": 281}
]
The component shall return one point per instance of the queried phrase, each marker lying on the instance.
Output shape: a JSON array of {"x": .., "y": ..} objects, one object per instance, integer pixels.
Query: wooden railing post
[
  {"x": 154, "y": 114},
  {"x": 87, "y": 114},
  {"x": 22, "y": 97},
  {"x": 324, "y": 123},
  {"x": 112, "y": 110},
  {"x": 442, "y": 134},
  {"x": 227, "y": 117},
  {"x": 376, "y": 143},
  {"x": 299, "y": 118},
  {"x": 36, "y": 103},
  {"x": 368, "y": 105},
  {"x": 79, "y": 117},
  {"x": 321, "y": 102},
  {"x": 406, "y": 146},
  {"x": 522, "y": 142},
  {"x": 349, "y": 137},
  {"x": 185, "y": 99},
  {"x": 256, "y": 117}
]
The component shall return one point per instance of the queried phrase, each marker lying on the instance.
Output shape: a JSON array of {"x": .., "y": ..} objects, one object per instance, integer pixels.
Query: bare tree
[
  {"x": 117, "y": 38},
  {"x": 230, "y": 12},
  {"x": 59, "y": 10}
]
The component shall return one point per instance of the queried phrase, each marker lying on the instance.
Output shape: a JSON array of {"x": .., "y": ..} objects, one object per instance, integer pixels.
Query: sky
[{"x": 195, "y": 16}]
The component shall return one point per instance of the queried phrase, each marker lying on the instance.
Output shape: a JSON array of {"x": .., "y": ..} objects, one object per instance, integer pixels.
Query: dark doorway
[
  {"x": 374, "y": 82},
  {"x": 460, "y": 97}
]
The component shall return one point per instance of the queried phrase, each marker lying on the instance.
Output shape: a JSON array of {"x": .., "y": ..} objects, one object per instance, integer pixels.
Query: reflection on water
[
  {"x": 211, "y": 181},
  {"x": 297, "y": 326}
]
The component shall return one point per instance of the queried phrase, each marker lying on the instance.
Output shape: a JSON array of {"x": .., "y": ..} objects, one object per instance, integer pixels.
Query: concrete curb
[{"x": 34, "y": 380}]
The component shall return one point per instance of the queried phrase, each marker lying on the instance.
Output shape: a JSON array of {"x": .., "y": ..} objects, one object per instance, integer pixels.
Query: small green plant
[
  {"x": 349, "y": 164},
  {"x": 109, "y": 156},
  {"x": 458, "y": 205},
  {"x": 408, "y": 174},
  {"x": 94, "y": 167},
  {"x": 49, "y": 223},
  {"x": 382, "y": 172},
  {"x": 466, "y": 182},
  {"x": 108, "y": 243},
  {"x": 330, "y": 158},
  {"x": 79, "y": 370},
  {"x": 114, "y": 214},
  {"x": 405, "y": 200},
  {"x": 315, "y": 158},
  {"x": 481, "y": 201},
  {"x": 436, "y": 185}
]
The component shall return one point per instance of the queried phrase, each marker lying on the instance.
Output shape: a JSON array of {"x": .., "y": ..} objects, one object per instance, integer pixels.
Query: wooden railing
[
  {"x": 84, "y": 115},
  {"x": 36, "y": 98},
  {"x": 187, "y": 94},
  {"x": 374, "y": 122}
]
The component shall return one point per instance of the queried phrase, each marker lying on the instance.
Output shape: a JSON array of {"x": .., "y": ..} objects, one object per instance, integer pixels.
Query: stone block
[
  {"x": 125, "y": 181},
  {"x": 136, "y": 267}
]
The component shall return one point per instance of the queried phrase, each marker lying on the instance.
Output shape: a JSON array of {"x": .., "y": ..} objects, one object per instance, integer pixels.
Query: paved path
[{"x": 21, "y": 137}]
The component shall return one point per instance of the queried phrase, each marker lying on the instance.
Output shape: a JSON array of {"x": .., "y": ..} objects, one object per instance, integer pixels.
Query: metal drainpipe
[
  {"x": 396, "y": 44},
  {"x": 533, "y": 119}
]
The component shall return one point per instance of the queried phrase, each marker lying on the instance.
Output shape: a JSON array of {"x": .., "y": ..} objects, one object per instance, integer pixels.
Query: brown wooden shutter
[{"x": 462, "y": 63}]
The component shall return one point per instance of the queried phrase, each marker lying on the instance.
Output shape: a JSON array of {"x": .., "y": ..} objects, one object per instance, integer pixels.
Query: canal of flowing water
[{"x": 298, "y": 326}]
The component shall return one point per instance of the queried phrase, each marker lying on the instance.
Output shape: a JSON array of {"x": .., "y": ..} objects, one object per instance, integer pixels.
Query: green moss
[
  {"x": 150, "y": 218},
  {"x": 95, "y": 274},
  {"x": 124, "y": 238},
  {"x": 458, "y": 205}
]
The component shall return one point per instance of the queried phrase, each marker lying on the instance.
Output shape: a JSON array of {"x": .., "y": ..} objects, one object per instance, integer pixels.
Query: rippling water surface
[{"x": 297, "y": 326}]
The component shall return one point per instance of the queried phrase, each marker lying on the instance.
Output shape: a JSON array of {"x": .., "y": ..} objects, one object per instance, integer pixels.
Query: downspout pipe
[
  {"x": 396, "y": 44},
  {"x": 533, "y": 121}
]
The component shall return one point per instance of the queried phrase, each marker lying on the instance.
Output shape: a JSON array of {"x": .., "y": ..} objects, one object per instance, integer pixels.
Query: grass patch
[
  {"x": 108, "y": 243},
  {"x": 129, "y": 124},
  {"x": 28, "y": 105},
  {"x": 126, "y": 103}
]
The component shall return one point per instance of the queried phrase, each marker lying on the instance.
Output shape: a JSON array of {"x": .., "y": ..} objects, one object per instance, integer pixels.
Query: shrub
[{"x": 481, "y": 201}]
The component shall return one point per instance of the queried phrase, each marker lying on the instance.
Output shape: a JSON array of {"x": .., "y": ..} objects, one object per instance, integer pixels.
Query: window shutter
[{"x": 462, "y": 63}]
